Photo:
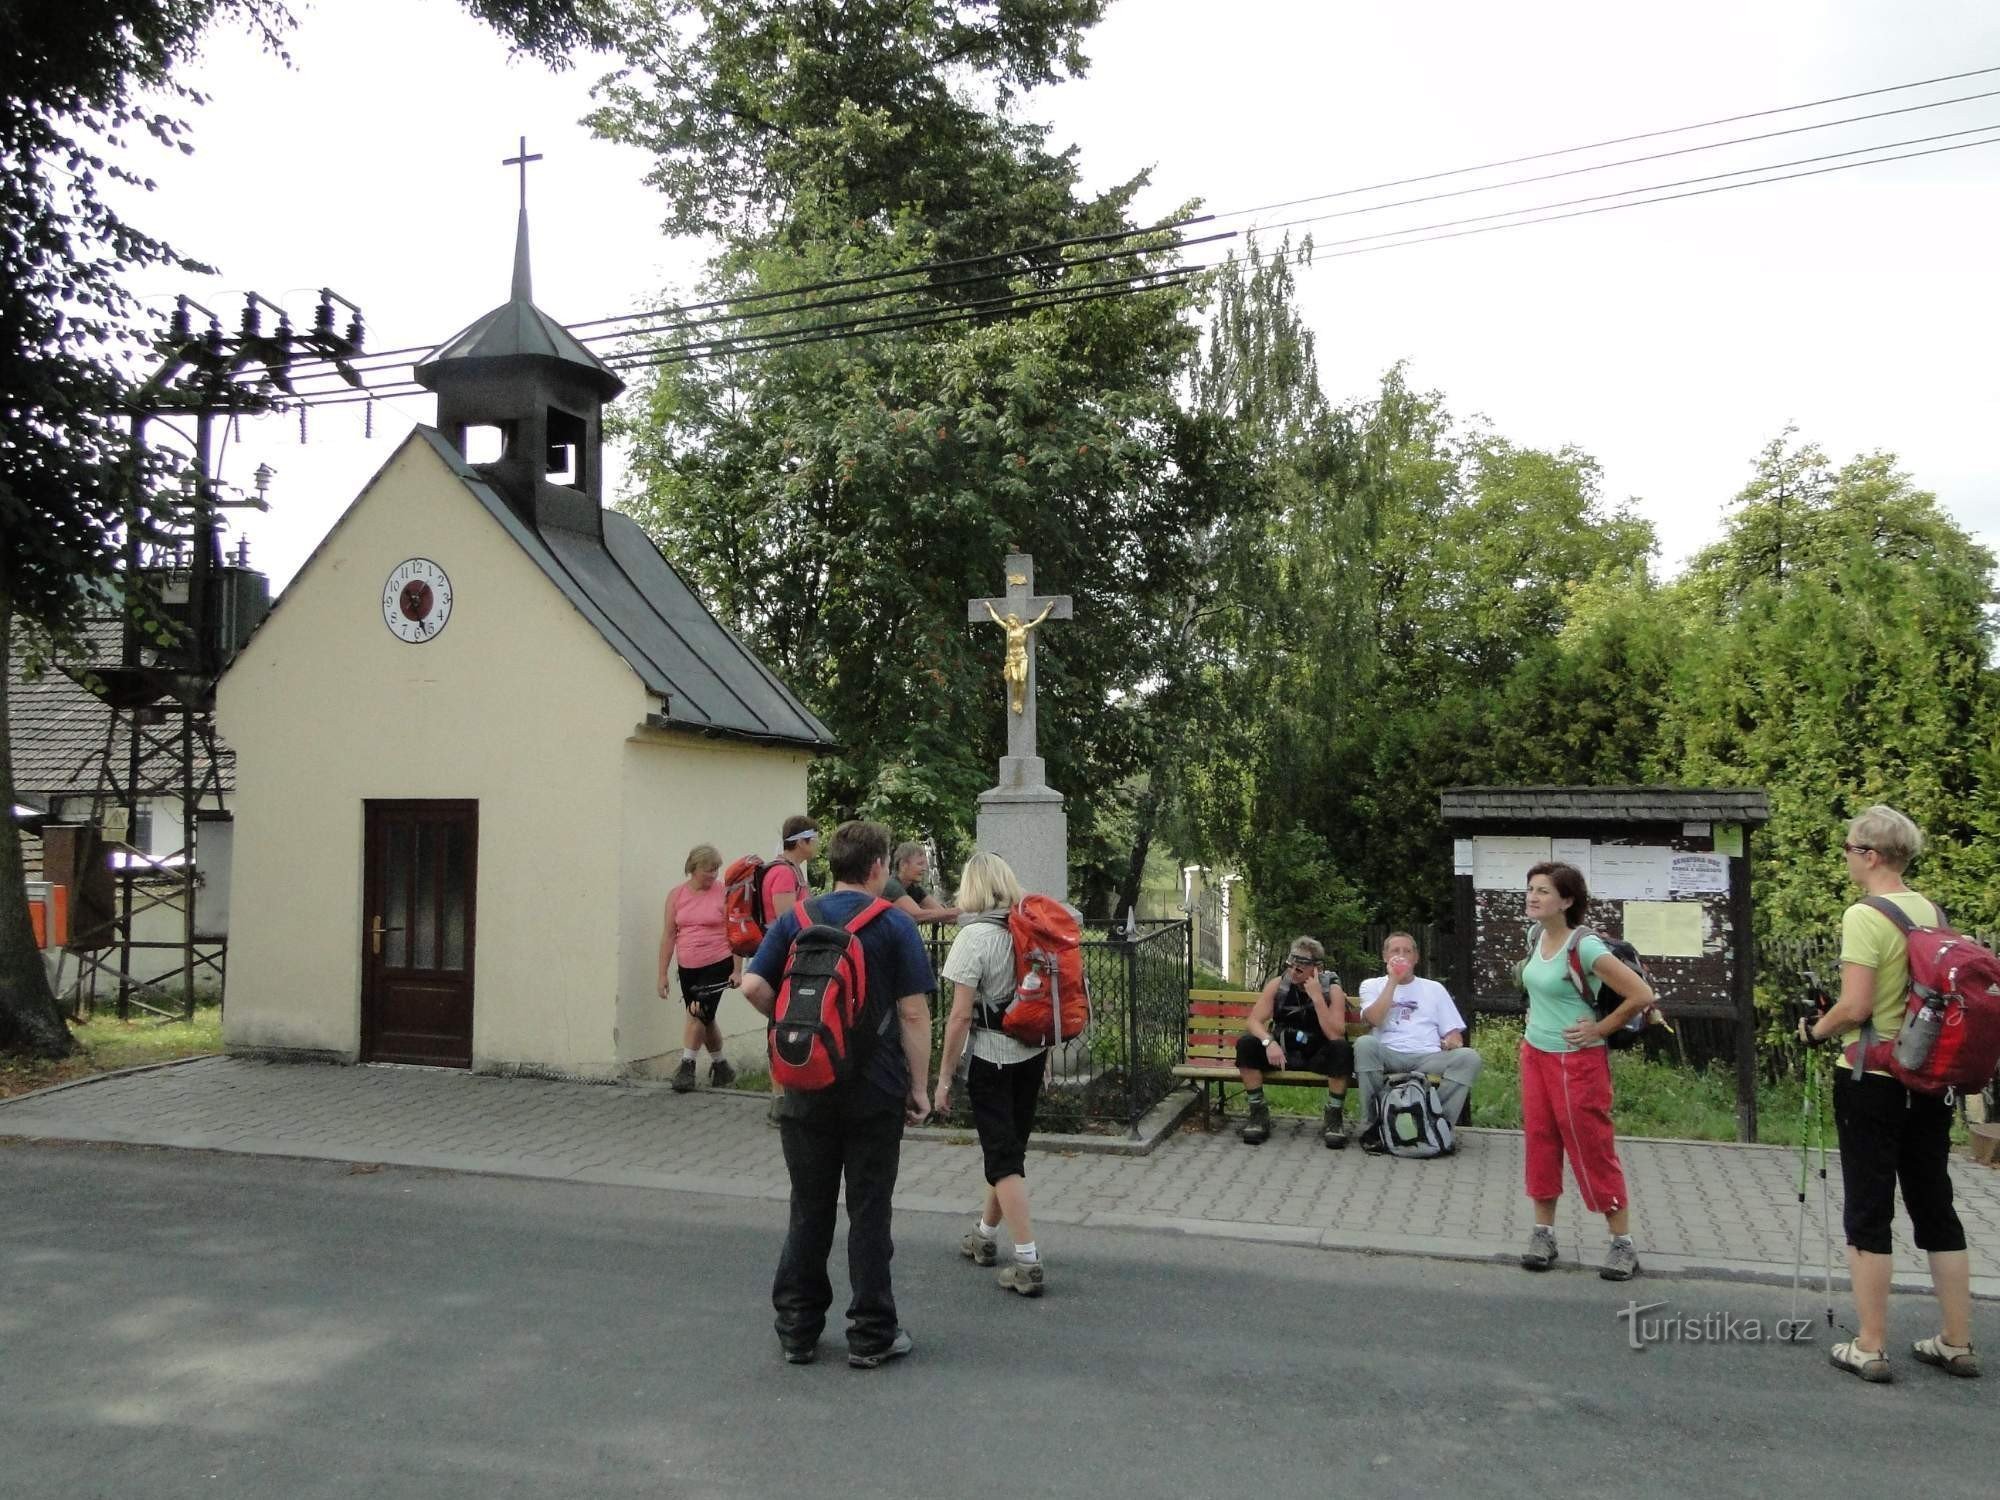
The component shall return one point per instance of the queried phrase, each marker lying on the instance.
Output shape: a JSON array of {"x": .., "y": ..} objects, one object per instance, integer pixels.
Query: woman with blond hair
[
  {"x": 1889, "y": 1135},
  {"x": 693, "y": 926},
  {"x": 1003, "y": 1077}
]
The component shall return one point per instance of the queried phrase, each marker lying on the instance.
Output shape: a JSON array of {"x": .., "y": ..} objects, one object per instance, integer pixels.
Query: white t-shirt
[
  {"x": 1419, "y": 1015},
  {"x": 982, "y": 955}
]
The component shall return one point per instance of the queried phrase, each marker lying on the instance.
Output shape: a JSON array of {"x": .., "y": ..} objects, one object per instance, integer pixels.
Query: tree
[
  {"x": 841, "y": 500},
  {"x": 1857, "y": 670},
  {"x": 79, "y": 82}
]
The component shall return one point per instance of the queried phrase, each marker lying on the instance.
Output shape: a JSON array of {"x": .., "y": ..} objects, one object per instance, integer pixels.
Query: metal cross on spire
[
  {"x": 522, "y": 161},
  {"x": 523, "y": 283}
]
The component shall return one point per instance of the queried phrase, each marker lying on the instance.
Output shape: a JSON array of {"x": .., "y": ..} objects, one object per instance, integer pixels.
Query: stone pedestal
[{"x": 1022, "y": 820}]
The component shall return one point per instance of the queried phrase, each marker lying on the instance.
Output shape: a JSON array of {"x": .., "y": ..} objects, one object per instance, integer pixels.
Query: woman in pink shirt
[{"x": 693, "y": 924}]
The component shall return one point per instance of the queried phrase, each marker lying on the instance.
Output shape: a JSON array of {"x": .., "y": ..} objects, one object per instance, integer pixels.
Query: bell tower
[{"x": 522, "y": 373}]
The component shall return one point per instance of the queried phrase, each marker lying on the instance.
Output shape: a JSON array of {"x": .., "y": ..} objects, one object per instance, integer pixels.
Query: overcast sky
[{"x": 1670, "y": 342}]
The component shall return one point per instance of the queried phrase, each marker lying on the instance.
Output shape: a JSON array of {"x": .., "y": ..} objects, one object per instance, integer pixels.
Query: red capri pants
[{"x": 1566, "y": 1112}]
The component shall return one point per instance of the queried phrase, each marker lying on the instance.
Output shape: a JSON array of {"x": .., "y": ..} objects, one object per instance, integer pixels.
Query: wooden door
[{"x": 417, "y": 932}]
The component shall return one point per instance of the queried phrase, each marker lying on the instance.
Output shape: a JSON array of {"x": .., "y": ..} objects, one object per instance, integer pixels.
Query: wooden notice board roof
[{"x": 1603, "y": 804}]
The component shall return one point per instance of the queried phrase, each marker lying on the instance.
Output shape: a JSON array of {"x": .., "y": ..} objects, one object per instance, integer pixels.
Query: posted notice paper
[
  {"x": 1572, "y": 852},
  {"x": 1631, "y": 872},
  {"x": 1700, "y": 874},
  {"x": 1502, "y": 864},
  {"x": 1664, "y": 929}
]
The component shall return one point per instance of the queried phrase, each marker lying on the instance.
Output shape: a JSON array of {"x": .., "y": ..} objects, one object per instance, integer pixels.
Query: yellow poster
[{"x": 1664, "y": 929}]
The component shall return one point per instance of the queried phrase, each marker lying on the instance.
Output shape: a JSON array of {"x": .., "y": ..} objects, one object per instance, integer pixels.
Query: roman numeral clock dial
[{"x": 416, "y": 601}]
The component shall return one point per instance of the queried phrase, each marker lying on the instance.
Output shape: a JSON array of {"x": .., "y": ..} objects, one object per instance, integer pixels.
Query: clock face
[{"x": 416, "y": 601}]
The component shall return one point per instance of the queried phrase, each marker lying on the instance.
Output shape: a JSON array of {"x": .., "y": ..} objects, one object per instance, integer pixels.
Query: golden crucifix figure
[{"x": 1015, "y": 668}]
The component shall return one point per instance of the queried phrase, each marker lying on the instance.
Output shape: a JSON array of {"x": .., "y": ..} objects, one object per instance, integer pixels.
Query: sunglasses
[
  {"x": 1302, "y": 963},
  {"x": 1858, "y": 848}
]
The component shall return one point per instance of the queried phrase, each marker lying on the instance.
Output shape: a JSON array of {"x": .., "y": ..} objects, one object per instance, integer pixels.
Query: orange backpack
[{"x": 1051, "y": 995}]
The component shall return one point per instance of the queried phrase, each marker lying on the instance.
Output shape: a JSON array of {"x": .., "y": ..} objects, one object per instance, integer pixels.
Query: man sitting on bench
[
  {"x": 1417, "y": 1030},
  {"x": 1300, "y": 1027}
]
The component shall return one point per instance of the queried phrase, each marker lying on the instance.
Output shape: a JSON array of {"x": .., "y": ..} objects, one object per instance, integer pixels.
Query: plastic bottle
[{"x": 1919, "y": 1035}]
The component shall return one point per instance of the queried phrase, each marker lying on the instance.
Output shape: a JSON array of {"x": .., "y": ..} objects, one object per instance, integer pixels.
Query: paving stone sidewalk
[{"x": 1698, "y": 1208}]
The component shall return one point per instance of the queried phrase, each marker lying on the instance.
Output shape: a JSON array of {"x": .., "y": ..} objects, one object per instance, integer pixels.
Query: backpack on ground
[
  {"x": 1411, "y": 1118},
  {"x": 743, "y": 916},
  {"x": 818, "y": 1025},
  {"x": 1950, "y": 1041},
  {"x": 1051, "y": 995},
  {"x": 1598, "y": 995}
]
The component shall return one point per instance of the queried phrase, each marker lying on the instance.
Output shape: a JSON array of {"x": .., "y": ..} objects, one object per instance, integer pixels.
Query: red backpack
[
  {"x": 1950, "y": 1039},
  {"x": 743, "y": 916},
  {"x": 1049, "y": 983},
  {"x": 821, "y": 1000}
]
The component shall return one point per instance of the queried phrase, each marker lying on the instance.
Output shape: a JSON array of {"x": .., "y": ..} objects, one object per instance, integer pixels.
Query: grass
[
  {"x": 105, "y": 1044},
  {"x": 1660, "y": 1099}
]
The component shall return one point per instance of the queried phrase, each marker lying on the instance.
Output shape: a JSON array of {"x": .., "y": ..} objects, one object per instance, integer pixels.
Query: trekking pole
[
  {"x": 1799, "y": 1239},
  {"x": 1824, "y": 1073}
]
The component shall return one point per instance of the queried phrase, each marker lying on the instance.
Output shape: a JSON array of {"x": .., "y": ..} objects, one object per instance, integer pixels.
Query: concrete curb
[{"x": 131, "y": 1072}]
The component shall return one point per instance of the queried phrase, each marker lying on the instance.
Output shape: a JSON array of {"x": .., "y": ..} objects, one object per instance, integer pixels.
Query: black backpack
[{"x": 1598, "y": 995}]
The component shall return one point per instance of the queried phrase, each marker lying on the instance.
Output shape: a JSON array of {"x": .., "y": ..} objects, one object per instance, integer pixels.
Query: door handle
[{"x": 375, "y": 931}]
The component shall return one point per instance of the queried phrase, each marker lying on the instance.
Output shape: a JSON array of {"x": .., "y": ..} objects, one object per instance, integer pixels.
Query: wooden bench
[{"x": 1215, "y": 1018}]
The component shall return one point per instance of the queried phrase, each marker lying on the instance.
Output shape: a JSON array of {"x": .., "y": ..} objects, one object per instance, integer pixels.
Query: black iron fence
[{"x": 1123, "y": 1063}]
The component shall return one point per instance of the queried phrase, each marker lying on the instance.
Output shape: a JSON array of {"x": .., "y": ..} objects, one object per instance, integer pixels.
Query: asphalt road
[{"x": 176, "y": 1324}]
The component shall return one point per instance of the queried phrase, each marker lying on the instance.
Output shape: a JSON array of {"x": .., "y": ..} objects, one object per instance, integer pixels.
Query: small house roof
[
  {"x": 1603, "y": 804},
  {"x": 56, "y": 727}
]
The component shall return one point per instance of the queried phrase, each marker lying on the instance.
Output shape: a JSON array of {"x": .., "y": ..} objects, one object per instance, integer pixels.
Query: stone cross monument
[{"x": 1022, "y": 819}]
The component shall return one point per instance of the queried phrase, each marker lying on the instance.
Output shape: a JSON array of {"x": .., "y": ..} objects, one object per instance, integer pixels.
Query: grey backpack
[{"x": 1412, "y": 1119}]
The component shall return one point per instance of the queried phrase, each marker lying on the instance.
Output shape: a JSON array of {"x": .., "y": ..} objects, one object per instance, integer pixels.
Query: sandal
[
  {"x": 1950, "y": 1358},
  {"x": 1870, "y": 1364}
]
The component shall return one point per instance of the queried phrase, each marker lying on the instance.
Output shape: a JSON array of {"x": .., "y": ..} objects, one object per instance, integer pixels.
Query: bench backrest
[{"x": 1215, "y": 1018}]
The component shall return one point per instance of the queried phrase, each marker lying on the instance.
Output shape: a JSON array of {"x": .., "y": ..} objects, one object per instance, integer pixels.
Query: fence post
[
  {"x": 1745, "y": 981},
  {"x": 1130, "y": 944}
]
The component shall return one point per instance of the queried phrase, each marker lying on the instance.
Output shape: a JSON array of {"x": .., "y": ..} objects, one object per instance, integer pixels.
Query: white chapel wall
[
  {"x": 681, "y": 790},
  {"x": 518, "y": 703}
]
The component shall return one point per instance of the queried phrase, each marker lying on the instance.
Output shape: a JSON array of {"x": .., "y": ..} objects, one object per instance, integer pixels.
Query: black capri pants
[
  {"x": 702, "y": 987},
  {"x": 1891, "y": 1136},
  {"x": 1334, "y": 1058},
  {"x": 1003, "y": 1111}
]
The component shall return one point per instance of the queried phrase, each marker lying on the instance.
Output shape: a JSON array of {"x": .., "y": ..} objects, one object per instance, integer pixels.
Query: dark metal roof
[
  {"x": 512, "y": 330},
  {"x": 1603, "y": 804},
  {"x": 645, "y": 611},
  {"x": 56, "y": 727}
]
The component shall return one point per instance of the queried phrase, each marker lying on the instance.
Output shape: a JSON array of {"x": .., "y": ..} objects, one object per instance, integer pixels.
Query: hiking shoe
[
  {"x": 1023, "y": 1276},
  {"x": 978, "y": 1249},
  {"x": 1949, "y": 1358},
  {"x": 720, "y": 1074},
  {"x": 1541, "y": 1252},
  {"x": 1333, "y": 1128},
  {"x": 683, "y": 1079},
  {"x": 899, "y": 1346},
  {"x": 1257, "y": 1128},
  {"x": 1621, "y": 1263},
  {"x": 1872, "y": 1365},
  {"x": 1372, "y": 1142},
  {"x": 800, "y": 1354}
]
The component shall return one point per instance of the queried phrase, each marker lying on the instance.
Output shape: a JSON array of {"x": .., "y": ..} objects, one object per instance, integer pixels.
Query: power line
[
  {"x": 1628, "y": 161},
  {"x": 1648, "y": 188},
  {"x": 917, "y": 319},
  {"x": 1622, "y": 140},
  {"x": 863, "y": 298},
  {"x": 907, "y": 322},
  {"x": 1581, "y": 213},
  {"x": 923, "y": 268}
]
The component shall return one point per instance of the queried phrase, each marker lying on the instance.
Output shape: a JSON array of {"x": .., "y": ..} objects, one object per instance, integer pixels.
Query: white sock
[
  {"x": 1026, "y": 1254},
  {"x": 986, "y": 1230},
  {"x": 688, "y": 1054}
]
